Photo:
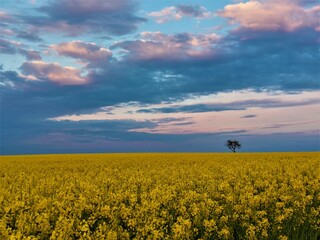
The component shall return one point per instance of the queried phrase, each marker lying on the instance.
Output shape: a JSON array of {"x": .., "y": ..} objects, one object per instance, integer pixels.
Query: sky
[{"x": 80, "y": 76}]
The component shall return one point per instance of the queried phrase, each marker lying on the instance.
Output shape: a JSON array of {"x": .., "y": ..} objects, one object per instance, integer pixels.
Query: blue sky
[{"x": 130, "y": 76}]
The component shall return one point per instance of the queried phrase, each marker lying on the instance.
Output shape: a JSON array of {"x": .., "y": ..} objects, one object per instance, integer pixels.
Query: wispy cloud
[
  {"x": 175, "y": 13},
  {"x": 29, "y": 35},
  {"x": 12, "y": 47},
  {"x": 231, "y": 106},
  {"x": 249, "y": 116}
]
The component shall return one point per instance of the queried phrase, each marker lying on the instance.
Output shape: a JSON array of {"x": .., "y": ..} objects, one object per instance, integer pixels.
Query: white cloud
[{"x": 282, "y": 15}]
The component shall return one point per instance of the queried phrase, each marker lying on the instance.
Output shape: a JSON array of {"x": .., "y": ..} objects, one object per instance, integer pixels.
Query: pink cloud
[
  {"x": 282, "y": 15},
  {"x": 156, "y": 45},
  {"x": 87, "y": 52},
  {"x": 53, "y": 72}
]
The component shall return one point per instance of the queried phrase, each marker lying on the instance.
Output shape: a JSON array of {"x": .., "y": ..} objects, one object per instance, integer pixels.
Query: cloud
[
  {"x": 54, "y": 72},
  {"x": 29, "y": 35},
  {"x": 193, "y": 10},
  {"x": 282, "y": 125},
  {"x": 14, "y": 25},
  {"x": 6, "y": 21},
  {"x": 28, "y": 77},
  {"x": 178, "y": 47},
  {"x": 177, "y": 12},
  {"x": 183, "y": 124},
  {"x": 271, "y": 15},
  {"x": 170, "y": 119},
  {"x": 75, "y": 17},
  {"x": 12, "y": 47},
  {"x": 230, "y": 106},
  {"x": 87, "y": 52},
  {"x": 9, "y": 46},
  {"x": 306, "y": 2},
  {"x": 6, "y": 32},
  {"x": 249, "y": 116},
  {"x": 6, "y": 18},
  {"x": 190, "y": 109},
  {"x": 30, "y": 55}
]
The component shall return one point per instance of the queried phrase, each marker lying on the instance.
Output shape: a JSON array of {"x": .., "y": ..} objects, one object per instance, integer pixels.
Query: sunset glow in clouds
[{"x": 125, "y": 75}]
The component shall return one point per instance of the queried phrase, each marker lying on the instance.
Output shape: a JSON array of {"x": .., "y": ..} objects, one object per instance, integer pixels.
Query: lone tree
[{"x": 233, "y": 145}]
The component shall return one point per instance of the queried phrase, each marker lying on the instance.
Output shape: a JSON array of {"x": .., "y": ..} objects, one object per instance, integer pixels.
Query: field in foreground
[{"x": 160, "y": 196}]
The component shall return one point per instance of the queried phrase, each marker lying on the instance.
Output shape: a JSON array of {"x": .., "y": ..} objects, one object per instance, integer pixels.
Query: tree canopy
[{"x": 233, "y": 145}]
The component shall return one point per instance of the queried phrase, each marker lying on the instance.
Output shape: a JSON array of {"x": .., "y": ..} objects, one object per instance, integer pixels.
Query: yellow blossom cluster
[{"x": 160, "y": 196}]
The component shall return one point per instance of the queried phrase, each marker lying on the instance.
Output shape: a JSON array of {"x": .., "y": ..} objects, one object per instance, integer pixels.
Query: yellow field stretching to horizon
[{"x": 160, "y": 196}]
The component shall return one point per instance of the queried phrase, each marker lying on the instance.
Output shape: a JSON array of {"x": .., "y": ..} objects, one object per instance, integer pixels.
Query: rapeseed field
[{"x": 160, "y": 196}]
